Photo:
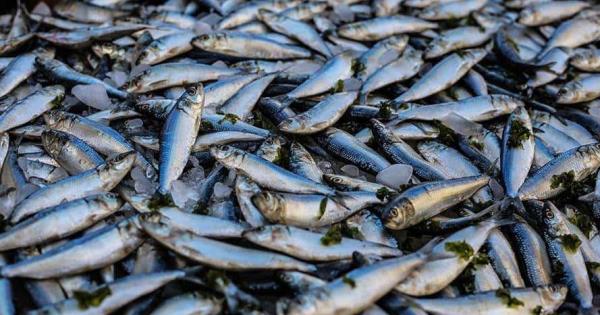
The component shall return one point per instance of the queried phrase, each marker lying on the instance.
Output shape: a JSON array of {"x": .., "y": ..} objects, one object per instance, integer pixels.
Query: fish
[
  {"x": 102, "y": 178},
  {"x": 442, "y": 75},
  {"x": 266, "y": 173},
  {"x": 312, "y": 246},
  {"x": 415, "y": 204},
  {"x": 305, "y": 210},
  {"x": 179, "y": 135},
  {"x": 517, "y": 151}
]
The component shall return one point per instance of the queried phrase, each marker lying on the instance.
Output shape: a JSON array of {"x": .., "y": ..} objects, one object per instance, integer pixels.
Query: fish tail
[
  {"x": 285, "y": 100},
  {"x": 362, "y": 98},
  {"x": 511, "y": 204}
]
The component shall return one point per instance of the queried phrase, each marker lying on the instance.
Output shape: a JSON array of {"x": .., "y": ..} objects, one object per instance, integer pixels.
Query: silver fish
[
  {"x": 310, "y": 246},
  {"x": 103, "y": 178},
  {"x": 235, "y": 44},
  {"x": 219, "y": 254},
  {"x": 443, "y": 75},
  {"x": 382, "y": 27},
  {"x": 517, "y": 151},
  {"x": 175, "y": 74},
  {"x": 99, "y": 249},
  {"x": 31, "y": 107},
  {"x": 312, "y": 210},
  {"x": 178, "y": 136},
  {"x": 266, "y": 173}
]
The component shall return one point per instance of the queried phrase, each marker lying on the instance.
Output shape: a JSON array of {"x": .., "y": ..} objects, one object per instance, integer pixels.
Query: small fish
[
  {"x": 178, "y": 135},
  {"x": 442, "y": 75},
  {"x": 310, "y": 246},
  {"x": 266, "y": 173},
  {"x": 246, "y": 45},
  {"x": 382, "y": 27},
  {"x": 415, "y": 204}
]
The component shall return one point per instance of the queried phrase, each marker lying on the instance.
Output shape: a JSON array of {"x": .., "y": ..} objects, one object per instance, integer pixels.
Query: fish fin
[
  {"x": 361, "y": 260},
  {"x": 362, "y": 99},
  {"x": 285, "y": 100},
  {"x": 509, "y": 204},
  {"x": 491, "y": 170},
  {"x": 190, "y": 271},
  {"x": 428, "y": 247},
  {"x": 591, "y": 197},
  {"x": 548, "y": 67}
]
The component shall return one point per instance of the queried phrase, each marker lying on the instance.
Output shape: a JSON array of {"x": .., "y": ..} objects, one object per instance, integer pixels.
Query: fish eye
[
  {"x": 192, "y": 90},
  {"x": 549, "y": 214},
  {"x": 394, "y": 212}
]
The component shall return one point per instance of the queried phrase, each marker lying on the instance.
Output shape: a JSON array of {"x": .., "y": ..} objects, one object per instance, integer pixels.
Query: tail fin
[
  {"x": 362, "y": 99},
  {"x": 512, "y": 203},
  {"x": 285, "y": 100},
  {"x": 591, "y": 197}
]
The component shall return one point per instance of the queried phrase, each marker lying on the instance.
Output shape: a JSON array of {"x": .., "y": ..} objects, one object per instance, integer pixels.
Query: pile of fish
[{"x": 300, "y": 157}]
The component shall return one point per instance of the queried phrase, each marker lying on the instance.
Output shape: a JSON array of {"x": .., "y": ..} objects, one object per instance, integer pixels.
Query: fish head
[
  {"x": 551, "y": 217},
  {"x": 291, "y": 124},
  {"x": 194, "y": 95},
  {"x": 227, "y": 154},
  {"x": 109, "y": 49},
  {"x": 529, "y": 16},
  {"x": 136, "y": 83},
  {"x": 108, "y": 201},
  {"x": 46, "y": 63},
  {"x": 335, "y": 180},
  {"x": 358, "y": 219},
  {"x": 505, "y": 104},
  {"x": 57, "y": 91},
  {"x": 288, "y": 278},
  {"x": 213, "y": 41},
  {"x": 272, "y": 148},
  {"x": 552, "y": 295},
  {"x": 566, "y": 95},
  {"x": 154, "y": 224},
  {"x": 59, "y": 120},
  {"x": 266, "y": 15},
  {"x": 117, "y": 166},
  {"x": 399, "y": 214},
  {"x": 54, "y": 141},
  {"x": 270, "y": 204}
]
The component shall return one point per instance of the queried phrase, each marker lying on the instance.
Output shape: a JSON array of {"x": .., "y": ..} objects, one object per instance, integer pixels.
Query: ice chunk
[
  {"x": 202, "y": 28},
  {"x": 141, "y": 183},
  {"x": 183, "y": 194},
  {"x": 497, "y": 190},
  {"x": 119, "y": 77},
  {"x": 395, "y": 175},
  {"x": 124, "y": 41},
  {"x": 42, "y": 9},
  {"x": 221, "y": 191},
  {"x": 93, "y": 95},
  {"x": 352, "y": 84},
  {"x": 195, "y": 175},
  {"x": 594, "y": 108},
  {"x": 343, "y": 12},
  {"x": 211, "y": 19},
  {"x": 350, "y": 170},
  {"x": 220, "y": 63},
  {"x": 325, "y": 167}
]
